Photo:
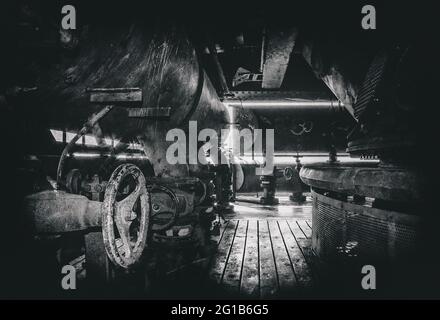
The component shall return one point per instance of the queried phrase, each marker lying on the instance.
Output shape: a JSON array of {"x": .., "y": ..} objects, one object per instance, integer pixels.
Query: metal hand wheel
[{"x": 125, "y": 215}]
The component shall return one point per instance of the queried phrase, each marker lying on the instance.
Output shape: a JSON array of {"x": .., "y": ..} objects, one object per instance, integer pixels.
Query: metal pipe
[
  {"x": 263, "y": 45},
  {"x": 86, "y": 127},
  {"x": 297, "y": 105},
  {"x": 58, "y": 212},
  {"x": 221, "y": 74}
]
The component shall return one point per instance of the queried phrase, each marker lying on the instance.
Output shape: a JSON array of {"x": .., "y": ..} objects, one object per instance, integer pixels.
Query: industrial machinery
[
  {"x": 126, "y": 165},
  {"x": 123, "y": 209},
  {"x": 377, "y": 213}
]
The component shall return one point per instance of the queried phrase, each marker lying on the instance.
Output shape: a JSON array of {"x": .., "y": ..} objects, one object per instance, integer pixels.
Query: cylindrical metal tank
[{"x": 160, "y": 60}]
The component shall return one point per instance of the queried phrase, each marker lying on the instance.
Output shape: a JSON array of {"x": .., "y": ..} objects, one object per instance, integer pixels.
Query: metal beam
[
  {"x": 279, "y": 46},
  {"x": 222, "y": 79},
  {"x": 294, "y": 105}
]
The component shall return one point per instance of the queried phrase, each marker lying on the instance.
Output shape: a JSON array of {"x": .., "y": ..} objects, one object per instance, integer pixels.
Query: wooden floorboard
[
  {"x": 250, "y": 278},
  {"x": 223, "y": 250},
  {"x": 263, "y": 258},
  {"x": 286, "y": 277},
  {"x": 268, "y": 273},
  {"x": 301, "y": 268},
  {"x": 305, "y": 245},
  {"x": 296, "y": 230},
  {"x": 219, "y": 237},
  {"x": 305, "y": 228},
  {"x": 232, "y": 273}
]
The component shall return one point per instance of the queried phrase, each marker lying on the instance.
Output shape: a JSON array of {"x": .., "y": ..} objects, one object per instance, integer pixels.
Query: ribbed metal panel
[{"x": 371, "y": 83}]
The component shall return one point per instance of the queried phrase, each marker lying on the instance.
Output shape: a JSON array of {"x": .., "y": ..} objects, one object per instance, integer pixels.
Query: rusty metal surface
[
  {"x": 130, "y": 216},
  {"x": 99, "y": 269},
  {"x": 163, "y": 213},
  {"x": 129, "y": 57},
  {"x": 159, "y": 60},
  {"x": 115, "y": 95},
  {"x": 176, "y": 196},
  {"x": 279, "y": 46},
  {"x": 59, "y": 212},
  {"x": 343, "y": 73}
]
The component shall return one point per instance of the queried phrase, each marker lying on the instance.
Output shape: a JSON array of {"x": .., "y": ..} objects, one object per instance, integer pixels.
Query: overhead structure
[{"x": 277, "y": 48}]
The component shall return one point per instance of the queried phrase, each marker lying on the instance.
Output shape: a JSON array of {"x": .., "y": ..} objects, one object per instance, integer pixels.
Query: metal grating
[
  {"x": 337, "y": 229},
  {"x": 369, "y": 233},
  {"x": 406, "y": 239},
  {"x": 328, "y": 227}
]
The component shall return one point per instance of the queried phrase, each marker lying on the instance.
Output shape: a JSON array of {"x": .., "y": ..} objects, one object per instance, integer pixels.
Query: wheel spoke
[
  {"x": 126, "y": 205},
  {"x": 124, "y": 231},
  {"x": 123, "y": 245}
]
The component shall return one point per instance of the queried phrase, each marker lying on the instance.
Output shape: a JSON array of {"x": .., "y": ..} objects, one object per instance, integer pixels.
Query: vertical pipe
[
  {"x": 221, "y": 75},
  {"x": 263, "y": 44}
]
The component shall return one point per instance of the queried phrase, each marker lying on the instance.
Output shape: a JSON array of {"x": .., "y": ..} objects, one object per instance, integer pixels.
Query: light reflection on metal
[
  {"x": 98, "y": 155},
  {"x": 305, "y": 159},
  {"x": 286, "y": 104},
  {"x": 90, "y": 140}
]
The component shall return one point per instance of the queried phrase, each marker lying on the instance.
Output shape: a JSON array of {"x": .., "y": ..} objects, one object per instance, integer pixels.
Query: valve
[{"x": 125, "y": 215}]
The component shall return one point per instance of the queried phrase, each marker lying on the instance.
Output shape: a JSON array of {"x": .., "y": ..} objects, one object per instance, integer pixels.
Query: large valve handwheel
[{"x": 125, "y": 215}]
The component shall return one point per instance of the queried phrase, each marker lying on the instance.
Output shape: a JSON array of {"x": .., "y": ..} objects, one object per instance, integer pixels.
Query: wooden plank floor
[{"x": 264, "y": 258}]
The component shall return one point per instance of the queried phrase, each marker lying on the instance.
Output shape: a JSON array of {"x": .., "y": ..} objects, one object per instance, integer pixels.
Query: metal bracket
[
  {"x": 242, "y": 75},
  {"x": 115, "y": 95},
  {"x": 153, "y": 113}
]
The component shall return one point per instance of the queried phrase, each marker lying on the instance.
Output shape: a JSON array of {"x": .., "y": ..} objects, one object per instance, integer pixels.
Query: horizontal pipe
[
  {"x": 299, "y": 105},
  {"x": 292, "y": 160},
  {"x": 57, "y": 212}
]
